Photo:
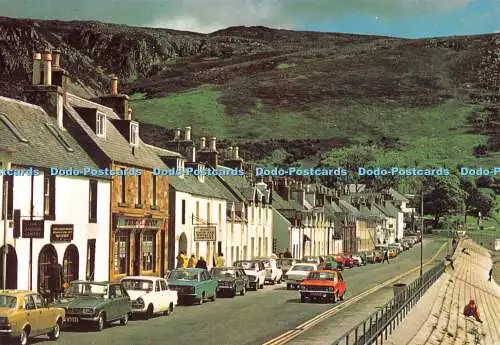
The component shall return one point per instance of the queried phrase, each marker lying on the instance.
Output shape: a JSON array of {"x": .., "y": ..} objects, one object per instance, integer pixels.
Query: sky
[{"x": 398, "y": 18}]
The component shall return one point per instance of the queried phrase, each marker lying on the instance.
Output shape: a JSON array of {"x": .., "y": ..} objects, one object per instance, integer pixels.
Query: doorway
[
  {"x": 183, "y": 243},
  {"x": 11, "y": 281},
  {"x": 44, "y": 261},
  {"x": 71, "y": 264},
  {"x": 137, "y": 254}
]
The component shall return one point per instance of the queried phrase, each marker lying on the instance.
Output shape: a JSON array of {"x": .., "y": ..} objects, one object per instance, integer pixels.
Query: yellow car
[{"x": 24, "y": 314}]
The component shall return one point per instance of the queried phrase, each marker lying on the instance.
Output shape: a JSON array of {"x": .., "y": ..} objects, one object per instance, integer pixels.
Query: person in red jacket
[{"x": 471, "y": 309}]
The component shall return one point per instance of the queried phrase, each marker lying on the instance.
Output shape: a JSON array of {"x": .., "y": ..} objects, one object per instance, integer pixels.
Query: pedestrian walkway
[{"x": 438, "y": 317}]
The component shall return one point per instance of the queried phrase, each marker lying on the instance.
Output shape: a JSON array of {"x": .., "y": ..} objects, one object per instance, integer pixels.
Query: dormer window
[
  {"x": 134, "y": 134},
  {"x": 100, "y": 125}
]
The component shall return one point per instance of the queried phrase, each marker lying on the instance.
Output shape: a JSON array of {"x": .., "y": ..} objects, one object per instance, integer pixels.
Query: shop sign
[
  {"x": 204, "y": 233},
  {"x": 61, "y": 232},
  {"x": 138, "y": 223},
  {"x": 33, "y": 229}
]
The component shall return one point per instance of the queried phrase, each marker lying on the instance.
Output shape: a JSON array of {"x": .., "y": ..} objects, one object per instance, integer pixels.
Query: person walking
[
  {"x": 180, "y": 260},
  {"x": 55, "y": 279},
  {"x": 201, "y": 263},
  {"x": 386, "y": 256},
  {"x": 192, "y": 262},
  {"x": 219, "y": 262},
  {"x": 490, "y": 274},
  {"x": 184, "y": 259}
]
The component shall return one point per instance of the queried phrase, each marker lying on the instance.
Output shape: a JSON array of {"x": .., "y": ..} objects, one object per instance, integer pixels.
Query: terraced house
[
  {"x": 49, "y": 216},
  {"x": 138, "y": 199}
]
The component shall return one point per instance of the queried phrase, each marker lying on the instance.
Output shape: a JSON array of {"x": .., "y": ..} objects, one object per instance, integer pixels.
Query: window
[
  {"x": 139, "y": 191},
  {"x": 220, "y": 214},
  {"x": 90, "y": 259},
  {"x": 123, "y": 186},
  {"x": 49, "y": 197},
  {"x": 208, "y": 213},
  {"x": 134, "y": 133},
  {"x": 38, "y": 301},
  {"x": 13, "y": 128},
  {"x": 153, "y": 192},
  {"x": 115, "y": 291},
  {"x": 122, "y": 248},
  {"x": 157, "y": 286},
  {"x": 197, "y": 210},
  {"x": 10, "y": 196},
  {"x": 148, "y": 251},
  {"x": 183, "y": 210},
  {"x": 163, "y": 285},
  {"x": 29, "y": 303},
  {"x": 100, "y": 127},
  {"x": 93, "y": 201},
  {"x": 59, "y": 137}
]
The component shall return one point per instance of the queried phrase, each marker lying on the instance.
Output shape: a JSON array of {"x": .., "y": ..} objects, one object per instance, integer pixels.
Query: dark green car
[
  {"x": 193, "y": 284},
  {"x": 96, "y": 304}
]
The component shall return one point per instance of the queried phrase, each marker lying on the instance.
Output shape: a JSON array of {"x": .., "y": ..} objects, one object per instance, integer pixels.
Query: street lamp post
[
  {"x": 6, "y": 157},
  {"x": 421, "y": 229}
]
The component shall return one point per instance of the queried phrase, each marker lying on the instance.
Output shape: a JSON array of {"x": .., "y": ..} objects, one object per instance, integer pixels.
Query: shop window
[
  {"x": 122, "y": 253},
  {"x": 148, "y": 251}
]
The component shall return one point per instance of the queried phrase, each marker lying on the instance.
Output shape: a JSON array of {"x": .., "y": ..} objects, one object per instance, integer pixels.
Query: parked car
[
  {"x": 323, "y": 285},
  {"x": 285, "y": 264},
  {"x": 16, "y": 323},
  {"x": 244, "y": 276},
  {"x": 89, "y": 303},
  {"x": 360, "y": 259},
  {"x": 255, "y": 271},
  {"x": 150, "y": 295},
  {"x": 273, "y": 273},
  {"x": 193, "y": 285},
  {"x": 311, "y": 259},
  {"x": 392, "y": 252},
  {"x": 375, "y": 258},
  {"x": 298, "y": 273},
  {"x": 357, "y": 260},
  {"x": 348, "y": 261},
  {"x": 230, "y": 280}
]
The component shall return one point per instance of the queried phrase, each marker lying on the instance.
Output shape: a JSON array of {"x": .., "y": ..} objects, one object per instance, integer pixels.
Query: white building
[{"x": 50, "y": 216}]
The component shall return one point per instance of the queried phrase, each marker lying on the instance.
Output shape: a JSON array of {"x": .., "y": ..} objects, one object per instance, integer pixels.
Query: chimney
[
  {"x": 211, "y": 156},
  {"x": 191, "y": 154},
  {"x": 114, "y": 85},
  {"x": 37, "y": 57},
  {"x": 236, "y": 154},
  {"x": 56, "y": 54},
  {"x": 230, "y": 153},
  {"x": 129, "y": 115},
  {"x": 203, "y": 143},
  {"x": 47, "y": 67},
  {"x": 283, "y": 191},
  {"x": 177, "y": 134},
  {"x": 187, "y": 134},
  {"x": 213, "y": 146}
]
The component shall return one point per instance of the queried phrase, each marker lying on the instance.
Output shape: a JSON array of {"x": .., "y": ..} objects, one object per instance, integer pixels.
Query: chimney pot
[
  {"x": 213, "y": 146},
  {"x": 230, "y": 152},
  {"x": 57, "y": 58},
  {"x": 47, "y": 67},
  {"x": 191, "y": 154},
  {"x": 187, "y": 133},
  {"x": 236, "y": 154},
  {"x": 37, "y": 64},
  {"x": 177, "y": 134},
  {"x": 114, "y": 85},
  {"x": 129, "y": 115},
  {"x": 203, "y": 142}
]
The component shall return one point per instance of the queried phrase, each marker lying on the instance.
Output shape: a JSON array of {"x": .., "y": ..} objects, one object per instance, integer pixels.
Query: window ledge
[
  {"x": 154, "y": 207},
  {"x": 122, "y": 204},
  {"x": 138, "y": 205},
  {"x": 49, "y": 217},
  {"x": 92, "y": 220}
]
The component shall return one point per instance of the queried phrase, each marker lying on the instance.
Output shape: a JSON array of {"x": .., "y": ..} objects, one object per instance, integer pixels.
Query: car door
[
  {"x": 33, "y": 315},
  {"x": 45, "y": 315},
  {"x": 203, "y": 284},
  {"x": 113, "y": 306},
  {"x": 126, "y": 303},
  {"x": 341, "y": 283},
  {"x": 165, "y": 294},
  {"x": 157, "y": 296}
]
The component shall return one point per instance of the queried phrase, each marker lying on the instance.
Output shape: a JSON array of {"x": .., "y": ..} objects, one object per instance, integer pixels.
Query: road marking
[{"x": 293, "y": 333}]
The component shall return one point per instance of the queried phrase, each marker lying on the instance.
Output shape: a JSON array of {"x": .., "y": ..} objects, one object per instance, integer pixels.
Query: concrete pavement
[{"x": 252, "y": 319}]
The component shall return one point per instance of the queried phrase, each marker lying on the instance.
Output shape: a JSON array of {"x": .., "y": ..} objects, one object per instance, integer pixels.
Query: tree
[
  {"x": 484, "y": 181},
  {"x": 469, "y": 189},
  {"x": 480, "y": 203},
  {"x": 442, "y": 196}
]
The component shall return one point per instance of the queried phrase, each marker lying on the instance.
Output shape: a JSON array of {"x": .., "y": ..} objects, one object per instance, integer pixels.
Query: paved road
[{"x": 252, "y": 319}]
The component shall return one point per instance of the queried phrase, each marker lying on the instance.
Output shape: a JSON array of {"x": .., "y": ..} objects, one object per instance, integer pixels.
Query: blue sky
[{"x": 401, "y": 18}]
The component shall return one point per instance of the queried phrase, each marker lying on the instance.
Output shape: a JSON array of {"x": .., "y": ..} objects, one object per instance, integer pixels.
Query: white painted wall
[{"x": 72, "y": 195}]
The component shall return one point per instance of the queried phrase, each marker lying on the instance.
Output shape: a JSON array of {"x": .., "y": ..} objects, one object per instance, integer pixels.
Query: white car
[
  {"x": 255, "y": 271},
  {"x": 150, "y": 295},
  {"x": 273, "y": 273},
  {"x": 298, "y": 273},
  {"x": 358, "y": 261}
]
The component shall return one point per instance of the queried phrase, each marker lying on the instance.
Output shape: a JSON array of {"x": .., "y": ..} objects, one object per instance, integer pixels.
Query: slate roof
[
  {"x": 43, "y": 149},
  {"x": 161, "y": 152},
  {"x": 373, "y": 212},
  {"x": 190, "y": 184},
  {"x": 115, "y": 146},
  {"x": 239, "y": 185},
  {"x": 281, "y": 204},
  {"x": 397, "y": 196},
  {"x": 347, "y": 207},
  {"x": 331, "y": 209},
  {"x": 388, "y": 209}
]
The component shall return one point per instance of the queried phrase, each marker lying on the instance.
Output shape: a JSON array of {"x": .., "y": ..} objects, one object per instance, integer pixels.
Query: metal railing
[{"x": 378, "y": 326}]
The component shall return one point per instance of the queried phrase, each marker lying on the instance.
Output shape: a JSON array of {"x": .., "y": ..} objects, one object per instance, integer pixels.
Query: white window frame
[
  {"x": 100, "y": 117},
  {"x": 134, "y": 134}
]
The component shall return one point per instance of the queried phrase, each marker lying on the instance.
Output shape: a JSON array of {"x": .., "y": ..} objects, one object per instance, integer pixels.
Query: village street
[{"x": 252, "y": 319}]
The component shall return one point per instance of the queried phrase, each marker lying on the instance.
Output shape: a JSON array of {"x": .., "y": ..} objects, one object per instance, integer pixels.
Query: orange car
[{"x": 326, "y": 285}]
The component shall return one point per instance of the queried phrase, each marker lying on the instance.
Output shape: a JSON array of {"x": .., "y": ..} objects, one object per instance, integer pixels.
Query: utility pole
[{"x": 5, "y": 248}]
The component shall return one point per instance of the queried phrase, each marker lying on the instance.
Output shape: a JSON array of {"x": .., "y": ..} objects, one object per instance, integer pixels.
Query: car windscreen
[
  {"x": 306, "y": 268},
  {"x": 321, "y": 276},
  {"x": 8, "y": 301},
  {"x": 137, "y": 284},
  {"x": 86, "y": 289},
  {"x": 221, "y": 272},
  {"x": 246, "y": 265},
  {"x": 183, "y": 275}
]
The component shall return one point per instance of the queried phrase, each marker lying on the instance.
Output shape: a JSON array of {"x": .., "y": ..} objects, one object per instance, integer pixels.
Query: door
[
  {"x": 46, "y": 319},
  {"x": 33, "y": 315},
  {"x": 137, "y": 254}
]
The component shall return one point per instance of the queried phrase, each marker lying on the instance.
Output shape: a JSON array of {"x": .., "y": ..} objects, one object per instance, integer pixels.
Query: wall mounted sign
[
  {"x": 138, "y": 223},
  {"x": 33, "y": 229},
  {"x": 61, "y": 232},
  {"x": 204, "y": 233}
]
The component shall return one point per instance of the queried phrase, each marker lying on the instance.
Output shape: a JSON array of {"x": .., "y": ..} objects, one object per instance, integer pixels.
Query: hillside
[{"x": 285, "y": 96}]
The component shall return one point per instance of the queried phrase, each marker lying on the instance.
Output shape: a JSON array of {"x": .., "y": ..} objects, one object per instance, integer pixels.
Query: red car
[
  {"x": 348, "y": 262},
  {"x": 327, "y": 285}
]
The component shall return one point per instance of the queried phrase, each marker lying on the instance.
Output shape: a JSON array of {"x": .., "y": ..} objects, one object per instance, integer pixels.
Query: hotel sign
[
  {"x": 61, "y": 232},
  {"x": 138, "y": 223},
  {"x": 33, "y": 229},
  {"x": 204, "y": 233}
]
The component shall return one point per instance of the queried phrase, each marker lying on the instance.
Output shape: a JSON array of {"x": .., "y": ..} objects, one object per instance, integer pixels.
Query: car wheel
[
  {"x": 100, "y": 322},
  {"x": 342, "y": 297},
  {"x": 214, "y": 297},
  {"x": 124, "y": 320},
  {"x": 243, "y": 291},
  {"x": 233, "y": 292},
  {"x": 261, "y": 286},
  {"x": 23, "y": 338},
  {"x": 334, "y": 298},
  {"x": 303, "y": 299},
  {"x": 200, "y": 301},
  {"x": 56, "y": 331},
  {"x": 149, "y": 312},
  {"x": 273, "y": 281}
]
